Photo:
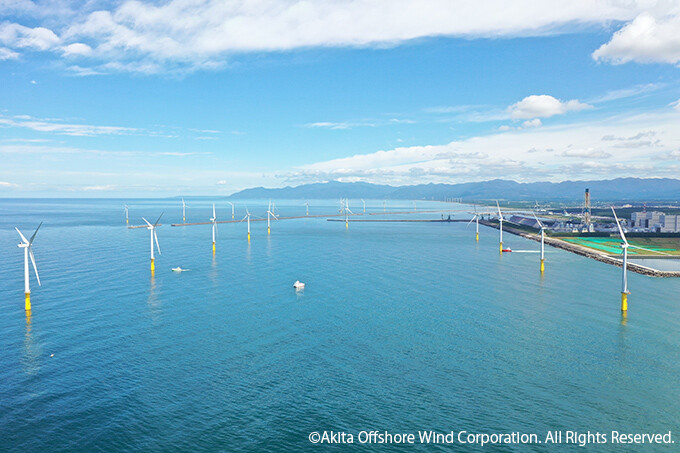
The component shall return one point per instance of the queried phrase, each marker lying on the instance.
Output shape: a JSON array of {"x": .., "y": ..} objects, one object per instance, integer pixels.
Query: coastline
[{"x": 583, "y": 251}]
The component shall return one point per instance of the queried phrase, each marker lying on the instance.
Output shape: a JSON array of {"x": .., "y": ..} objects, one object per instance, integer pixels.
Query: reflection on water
[{"x": 31, "y": 356}]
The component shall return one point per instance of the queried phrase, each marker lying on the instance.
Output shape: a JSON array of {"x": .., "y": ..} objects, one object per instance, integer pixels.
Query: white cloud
[
  {"x": 532, "y": 123},
  {"x": 555, "y": 153},
  {"x": 63, "y": 128},
  {"x": 647, "y": 39},
  {"x": 193, "y": 34},
  {"x": 18, "y": 36},
  {"x": 7, "y": 54},
  {"x": 543, "y": 106},
  {"x": 5, "y": 184},
  {"x": 676, "y": 105}
]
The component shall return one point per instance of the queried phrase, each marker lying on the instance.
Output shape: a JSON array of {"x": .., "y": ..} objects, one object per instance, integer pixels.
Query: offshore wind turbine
[
  {"x": 475, "y": 218},
  {"x": 213, "y": 220},
  {"x": 270, "y": 212},
  {"x": 127, "y": 217},
  {"x": 364, "y": 202},
  {"x": 347, "y": 212},
  {"x": 184, "y": 211},
  {"x": 154, "y": 236},
  {"x": 307, "y": 205},
  {"x": 624, "y": 276},
  {"x": 247, "y": 217},
  {"x": 500, "y": 224},
  {"x": 27, "y": 244},
  {"x": 542, "y": 242},
  {"x": 232, "y": 209}
]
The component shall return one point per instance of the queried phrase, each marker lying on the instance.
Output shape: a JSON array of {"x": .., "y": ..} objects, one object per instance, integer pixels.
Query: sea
[{"x": 402, "y": 327}]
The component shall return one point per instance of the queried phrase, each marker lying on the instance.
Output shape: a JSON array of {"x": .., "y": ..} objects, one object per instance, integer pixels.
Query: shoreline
[{"x": 584, "y": 251}]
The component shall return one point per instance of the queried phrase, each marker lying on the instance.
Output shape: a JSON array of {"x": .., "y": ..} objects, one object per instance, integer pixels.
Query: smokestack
[{"x": 587, "y": 209}]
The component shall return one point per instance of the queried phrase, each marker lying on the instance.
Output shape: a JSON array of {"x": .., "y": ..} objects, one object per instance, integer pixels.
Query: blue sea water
[{"x": 401, "y": 327}]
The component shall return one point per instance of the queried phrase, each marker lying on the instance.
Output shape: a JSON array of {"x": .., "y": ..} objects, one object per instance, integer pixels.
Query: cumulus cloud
[
  {"x": 7, "y": 185},
  {"x": 554, "y": 153},
  {"x": 543, "y": 106},
  {"x": 676, "y": 105},
  {"x": 17, "y": 36},
  {"x": 647, "y": 39},
  {"x": 532, "y": 123}
]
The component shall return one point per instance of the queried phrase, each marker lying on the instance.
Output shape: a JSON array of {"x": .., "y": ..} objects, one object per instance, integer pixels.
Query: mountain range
[{"x": 620, "y": 189}]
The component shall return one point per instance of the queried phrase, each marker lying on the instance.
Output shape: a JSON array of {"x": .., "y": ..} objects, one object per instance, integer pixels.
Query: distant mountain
[{"x": 621, "y": 189}]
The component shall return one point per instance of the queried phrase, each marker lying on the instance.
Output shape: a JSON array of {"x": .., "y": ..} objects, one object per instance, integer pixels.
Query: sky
[{"x": 199, "y": 97}]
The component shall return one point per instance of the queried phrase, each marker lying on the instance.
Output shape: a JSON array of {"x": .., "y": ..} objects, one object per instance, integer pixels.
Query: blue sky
[{"x": 199, "y": 97}]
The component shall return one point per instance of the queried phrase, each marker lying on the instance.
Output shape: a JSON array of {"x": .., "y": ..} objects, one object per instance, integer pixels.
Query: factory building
[
  {"x": 671, "y": 224},
  {"x": 651, "y": 220}
]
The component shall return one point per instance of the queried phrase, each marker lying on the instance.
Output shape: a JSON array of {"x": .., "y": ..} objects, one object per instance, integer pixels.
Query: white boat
[
  {"x": 298, "y": 285},
  {"x": 178, "y": 269}
]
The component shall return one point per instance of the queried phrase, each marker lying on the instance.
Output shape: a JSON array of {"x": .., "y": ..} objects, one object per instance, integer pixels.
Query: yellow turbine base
[
  {"x": 624, "y": 302},
  {"x": 477, "y": 237},
  {"x": 269, "y": 231},
  {"x": 153, "y": 266},
  {"x": 213, "y": 248},
  {"x": 127, "y": 222},
  {"x": 184, "y": 219},
  {"x": 346, "y": 225},
  {"x": 249, "y": 236},
  {"x": 500, "y": 248},
  {"x": 28, "y": 302},
  {"x": 542, "y": 266}
]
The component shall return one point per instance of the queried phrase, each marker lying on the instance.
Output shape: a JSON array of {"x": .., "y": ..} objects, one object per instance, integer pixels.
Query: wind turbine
[
  {"x": 500, "y": 224},
  {"x": 542, "y": 242},
  {"x": 232, "y": 209},
  {"x": 364, "y": 202},
  {"x": 624, "y": 276},
  {"x": 127, "y": 218},
  {"x": 307, "y": 204},
  {"x": 213, "y": 220},
  {"x": 247, "y": 217},
  {"x": 184, "y": 209},
  {"x": 415, "y": 208},
  {"x": 384, "y": 205},
  {"x": 152, "y": 229},
  {"x": 28, "y": 252},
  {"x": 347, "y": 212},
  {"x": 476, "y": 220},
  {"x": 270, "y": 212}
]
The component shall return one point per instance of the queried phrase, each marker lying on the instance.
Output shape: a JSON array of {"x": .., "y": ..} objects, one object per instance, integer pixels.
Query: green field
[{"x": 658, "y": 246}]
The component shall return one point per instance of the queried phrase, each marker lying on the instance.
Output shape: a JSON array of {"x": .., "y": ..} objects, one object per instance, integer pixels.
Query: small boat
[
  {"x": 507, "y": 250},
  {"x": 298, "y": 285},
  {"x": 178, "y": 269}
]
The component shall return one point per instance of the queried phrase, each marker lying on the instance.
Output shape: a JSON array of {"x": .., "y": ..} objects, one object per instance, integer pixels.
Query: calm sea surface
[{"x": 402, "y": 327}]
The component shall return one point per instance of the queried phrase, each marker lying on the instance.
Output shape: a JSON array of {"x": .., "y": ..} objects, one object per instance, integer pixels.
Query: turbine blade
[
  {"x": 214, "y": 216},
  {"x": 23, "y": 238},
  {"x": 147, "y": 222},
  {"x": 648, "y": 250},
  {"x": 30, "y": 241},
  {"x": 35, "y": 268},
  {"x": 155, "y": 236},
  {"x": 159, "y": 219},
  {"x": 623, "y": 236},
  {"x": 471, "y": 220},
  {"x": 539, "y": 222},
  {"x": 500, "y": 216}
]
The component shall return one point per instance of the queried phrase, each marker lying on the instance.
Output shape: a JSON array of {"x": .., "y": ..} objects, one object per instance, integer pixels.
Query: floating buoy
[{"x": 298, "y": 285}]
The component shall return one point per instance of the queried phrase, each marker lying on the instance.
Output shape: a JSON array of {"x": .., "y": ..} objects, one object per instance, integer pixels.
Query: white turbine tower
[
  {"x": 232, "y": 209},
  {"x": 213, "y": 220},
  {"x": 270, "y": 213},
  {"x": 184, "y": 211},
  {"x": 500, "y": 224},
  {"x": 28, "y": 252},
  {"x": 127, "y": 217},
  {"x": 307, "y": 205},
  {"x": 542, "y": 242},
  {"x": 154, "y": 237},
  {"x": 364, "y": 202}
]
